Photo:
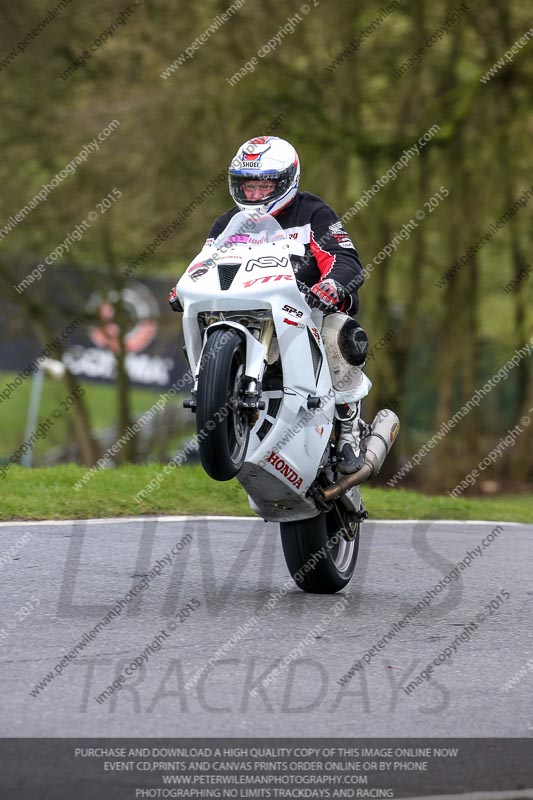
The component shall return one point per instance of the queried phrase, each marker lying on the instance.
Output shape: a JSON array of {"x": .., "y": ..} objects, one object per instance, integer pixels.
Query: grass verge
[
  {"x": 100, "y": 400},
  {"x": 35, "y": 494}
]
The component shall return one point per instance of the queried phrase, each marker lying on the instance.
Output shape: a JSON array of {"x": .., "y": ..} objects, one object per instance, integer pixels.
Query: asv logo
[
  {"x": 283, "y": 468},
  {"x": 267, "y": 278},
  {"x": 266, "y": 261}
]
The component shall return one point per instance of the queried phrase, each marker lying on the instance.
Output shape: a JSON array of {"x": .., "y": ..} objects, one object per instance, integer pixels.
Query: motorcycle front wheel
[
  {"x": 321, "y": 552},
  {"x": 222, "y": 427}
]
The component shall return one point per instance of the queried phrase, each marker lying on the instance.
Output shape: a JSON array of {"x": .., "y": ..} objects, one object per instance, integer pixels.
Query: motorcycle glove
[
  {"x": 329, "y": 292},
  {"x": 174, "y": 300}
]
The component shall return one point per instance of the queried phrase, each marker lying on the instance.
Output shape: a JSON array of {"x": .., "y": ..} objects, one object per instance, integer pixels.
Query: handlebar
[
  {"x": 316, "y": 302},
  {"x": 303, "y": 287}
]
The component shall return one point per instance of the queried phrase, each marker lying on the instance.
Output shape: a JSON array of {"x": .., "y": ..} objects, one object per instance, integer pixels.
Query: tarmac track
[{"x": 67, "y": 576}]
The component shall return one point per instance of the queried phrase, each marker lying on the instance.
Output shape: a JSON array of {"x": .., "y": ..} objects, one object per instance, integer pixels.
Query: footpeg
[
  {"x": 385, "y": 429},
  {"x": 313, "y": 402}
]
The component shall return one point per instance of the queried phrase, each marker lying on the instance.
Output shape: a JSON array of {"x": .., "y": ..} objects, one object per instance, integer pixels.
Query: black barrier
[
  {"x": 127, "y": 769},
  {"x": 151, "y": 330}
]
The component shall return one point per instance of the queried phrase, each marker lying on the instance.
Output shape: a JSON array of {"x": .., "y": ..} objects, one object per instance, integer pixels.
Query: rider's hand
[
  {"x": 329, "y": 292},
  {"x": 174, "y": 300}
]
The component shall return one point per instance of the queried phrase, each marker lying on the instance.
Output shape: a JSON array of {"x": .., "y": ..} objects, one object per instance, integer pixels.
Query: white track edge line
[{"x": 114, "y": 520}]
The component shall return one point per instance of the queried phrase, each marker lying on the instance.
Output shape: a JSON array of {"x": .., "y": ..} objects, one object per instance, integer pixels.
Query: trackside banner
[{"x": 87, "y": 311}]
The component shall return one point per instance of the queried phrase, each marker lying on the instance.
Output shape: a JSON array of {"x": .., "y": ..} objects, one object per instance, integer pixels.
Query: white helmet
[{"x": 265, "y": 158}]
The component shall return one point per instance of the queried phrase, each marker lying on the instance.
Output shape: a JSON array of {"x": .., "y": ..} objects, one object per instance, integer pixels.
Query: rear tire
[
  {"x": 222, "y": 428},
  {"x": 318, "y": 544}
]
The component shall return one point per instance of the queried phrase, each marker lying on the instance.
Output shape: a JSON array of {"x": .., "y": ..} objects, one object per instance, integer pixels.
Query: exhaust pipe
[{"x": 385, "y": 429}]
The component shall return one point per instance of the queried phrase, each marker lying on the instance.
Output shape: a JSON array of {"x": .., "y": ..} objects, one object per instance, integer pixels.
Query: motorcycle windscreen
[{"x": 250, "y": 229}]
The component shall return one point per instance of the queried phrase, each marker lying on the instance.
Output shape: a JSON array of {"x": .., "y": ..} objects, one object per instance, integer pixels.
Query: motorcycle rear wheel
[
  {"x": 222, "y": 427},
  {"x": 320, "y": 559}
]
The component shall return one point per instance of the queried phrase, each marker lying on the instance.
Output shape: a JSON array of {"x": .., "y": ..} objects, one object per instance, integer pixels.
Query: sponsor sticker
[
  {"x": 294, "y": 311},
  {"x": 284, "y": 469},
  {"x": 343, "y": 239},
  {"x": 292, "y": 322},
  {"x": 266, "y": 261},
  {"x": 266, "y": 279},
  {"x": 198, "y": 274}
]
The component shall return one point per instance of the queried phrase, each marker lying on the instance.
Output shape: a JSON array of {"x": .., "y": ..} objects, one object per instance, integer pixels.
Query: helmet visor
[{"x": 249, "y": 188}]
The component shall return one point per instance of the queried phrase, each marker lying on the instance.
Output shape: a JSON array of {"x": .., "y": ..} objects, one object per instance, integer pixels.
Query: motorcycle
[{"x": 264, "y": 400}]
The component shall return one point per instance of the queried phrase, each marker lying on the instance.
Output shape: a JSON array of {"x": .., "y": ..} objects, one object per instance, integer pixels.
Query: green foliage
[
  {"x": 99, "y": 397},
  {"x": 48, "y": 494},
  {"x": 349, "y": 123}
]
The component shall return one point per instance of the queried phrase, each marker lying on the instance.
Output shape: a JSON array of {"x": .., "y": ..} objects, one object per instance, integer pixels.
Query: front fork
[{"x": 249, "y": 401}]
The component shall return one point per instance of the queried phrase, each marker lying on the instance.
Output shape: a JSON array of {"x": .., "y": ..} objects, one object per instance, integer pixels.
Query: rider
[{"x": 263, "y": 178}]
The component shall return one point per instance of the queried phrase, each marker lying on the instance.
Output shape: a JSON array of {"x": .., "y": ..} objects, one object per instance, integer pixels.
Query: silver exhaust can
[{"x": 385, "y": 428}]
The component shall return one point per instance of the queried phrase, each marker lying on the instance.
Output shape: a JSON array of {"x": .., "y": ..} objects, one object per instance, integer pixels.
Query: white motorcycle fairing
[{"x": 243, "y": 285}]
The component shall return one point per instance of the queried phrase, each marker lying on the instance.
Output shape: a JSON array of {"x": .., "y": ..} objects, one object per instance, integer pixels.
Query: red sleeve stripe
[{"x": 324, "y": 259}]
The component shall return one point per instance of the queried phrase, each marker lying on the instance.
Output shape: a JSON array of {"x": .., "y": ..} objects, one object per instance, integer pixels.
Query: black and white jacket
[{"x": 329, "y": 251}]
